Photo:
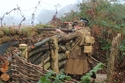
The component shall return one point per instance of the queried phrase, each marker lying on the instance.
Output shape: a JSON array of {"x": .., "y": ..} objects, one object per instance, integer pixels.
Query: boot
[
  {"x": 93, "y": 75},
  {"x": 78, "y": 78}
]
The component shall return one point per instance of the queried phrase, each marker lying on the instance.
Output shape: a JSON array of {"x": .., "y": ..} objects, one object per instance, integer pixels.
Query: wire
[
  {"x": 47, "y": 3},
  {"x": 44, "y": 9},
  {"x": 31, "y": 18}
]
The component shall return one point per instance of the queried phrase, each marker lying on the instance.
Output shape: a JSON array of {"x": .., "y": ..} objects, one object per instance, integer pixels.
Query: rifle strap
[
  {"x": 75, "y": 45},
  {"x": 78, "y": 41}
]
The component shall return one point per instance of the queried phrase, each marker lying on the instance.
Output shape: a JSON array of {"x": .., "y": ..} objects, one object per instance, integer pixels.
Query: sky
[
  {"x": 7, "y": 5},
  {"x": 28, "y": 7}
]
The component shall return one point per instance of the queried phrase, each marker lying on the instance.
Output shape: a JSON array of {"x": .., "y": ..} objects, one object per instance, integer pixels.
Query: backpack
[{"x": 87, "y": 41}]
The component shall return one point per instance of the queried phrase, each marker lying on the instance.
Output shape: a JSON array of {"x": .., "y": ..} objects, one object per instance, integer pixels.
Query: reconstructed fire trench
[{"x": 25, "y": 59}]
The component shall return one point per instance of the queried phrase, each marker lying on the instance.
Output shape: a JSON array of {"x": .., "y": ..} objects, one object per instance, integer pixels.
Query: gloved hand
[
  {"x": 58, "y": 30},
  {"x": 67, "y": 54}
]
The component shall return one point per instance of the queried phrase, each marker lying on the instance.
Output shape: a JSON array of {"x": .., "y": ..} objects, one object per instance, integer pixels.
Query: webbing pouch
[{"x": 87, "y": 49}]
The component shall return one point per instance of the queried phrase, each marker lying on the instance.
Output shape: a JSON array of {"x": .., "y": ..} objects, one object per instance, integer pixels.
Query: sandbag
[
  {"x": 0, "y": 40},
  {"x": 16, "y": 37},
  {"x": 12, "y": 31},
  {"x": 5, "y": 30},
  {"x": 1, "y": 33},
  {"x": 24, "y": 33},
  {"x": 5, "y": 39},
  {"x": 33, "y": 33},
  {"x": 19, "y": 32}
]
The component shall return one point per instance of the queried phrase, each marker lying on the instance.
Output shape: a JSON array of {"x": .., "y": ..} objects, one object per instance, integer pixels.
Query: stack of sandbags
[
  {"x": 7, "y": 34},
  {"x": 3, "y": 36},
  {"x": 13, "y": 33},
  {"x": 5, "y": 30}
]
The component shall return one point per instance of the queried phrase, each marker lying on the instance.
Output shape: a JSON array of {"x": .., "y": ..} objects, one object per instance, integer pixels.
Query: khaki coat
[{"x": 77, "y": 63}]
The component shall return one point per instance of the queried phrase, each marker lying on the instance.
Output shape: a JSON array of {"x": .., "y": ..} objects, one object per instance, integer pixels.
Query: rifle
[{"x": 53, "y": 29}]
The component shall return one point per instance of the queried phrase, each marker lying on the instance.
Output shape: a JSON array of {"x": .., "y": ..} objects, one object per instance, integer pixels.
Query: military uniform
[{"x": 77, "y": 62}]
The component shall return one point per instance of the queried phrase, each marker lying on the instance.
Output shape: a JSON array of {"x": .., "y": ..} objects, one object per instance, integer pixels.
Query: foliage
[
  {"x": 121, "y": 58},
  {"x": 86, "y": 78},
  {"x": 52, "y": 76},
  {"x": 105, "y": 44},
  {"x": 102, "y": 13}
]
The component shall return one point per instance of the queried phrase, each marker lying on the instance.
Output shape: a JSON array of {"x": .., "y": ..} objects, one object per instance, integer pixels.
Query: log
[
  {"x": 62, "y": 64},
  {"x": 62, "y": 48},
  {"x": 62, "y": 56},
  {"x": 112, "y": 57},
  {"x": 43, "y": 48},
  {"x": 46, "y": 59},
  {"x": 35, "y": 57},
  {"x": 38, "y": 60},
  {"x": 54, "y": 54},
  {"x": 38, "y": 44},
  {"x": 40, "y": 49},
  {"x": 47, "y": 65},
  {"x": 5, "y": 77},
  {"x": 4, "y": 69}
]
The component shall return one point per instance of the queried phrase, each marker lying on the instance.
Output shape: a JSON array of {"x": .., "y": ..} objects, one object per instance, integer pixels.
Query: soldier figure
[{"x": 77, "y": 63}]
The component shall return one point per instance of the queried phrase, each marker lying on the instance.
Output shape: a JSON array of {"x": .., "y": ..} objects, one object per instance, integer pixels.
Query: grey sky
[
  {"x": 27, "y": 7},
  {"x": 7, "y": 5}
]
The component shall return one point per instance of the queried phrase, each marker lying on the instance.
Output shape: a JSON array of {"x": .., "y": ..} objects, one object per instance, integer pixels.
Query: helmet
[
  {"x": 78, "y": 22},
  {"x": 74, "y": 23},
  {"x": 85, "y": 21}
]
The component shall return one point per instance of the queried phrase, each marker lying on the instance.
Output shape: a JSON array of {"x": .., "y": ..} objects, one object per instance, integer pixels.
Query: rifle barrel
[{"x": 53, "y": 29}]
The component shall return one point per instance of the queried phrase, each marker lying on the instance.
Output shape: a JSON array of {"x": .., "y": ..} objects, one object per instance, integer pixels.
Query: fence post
[
  {"x": 112, "y": 56},
  {"x": 54, "y": 54}
]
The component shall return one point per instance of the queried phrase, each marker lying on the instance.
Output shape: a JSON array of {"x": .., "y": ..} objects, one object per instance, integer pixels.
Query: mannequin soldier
[{"x": 77, "y": 62}]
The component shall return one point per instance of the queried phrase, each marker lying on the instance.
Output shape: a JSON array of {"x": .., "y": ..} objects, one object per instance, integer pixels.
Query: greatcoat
[{"x": 77, "y": 63}]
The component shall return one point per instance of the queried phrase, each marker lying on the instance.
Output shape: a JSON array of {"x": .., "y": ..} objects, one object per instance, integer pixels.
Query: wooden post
[
  {"x": 54, "y": 54},
  {"x": 24, "y": 50},
  {"x": 112, "y": 56}
]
